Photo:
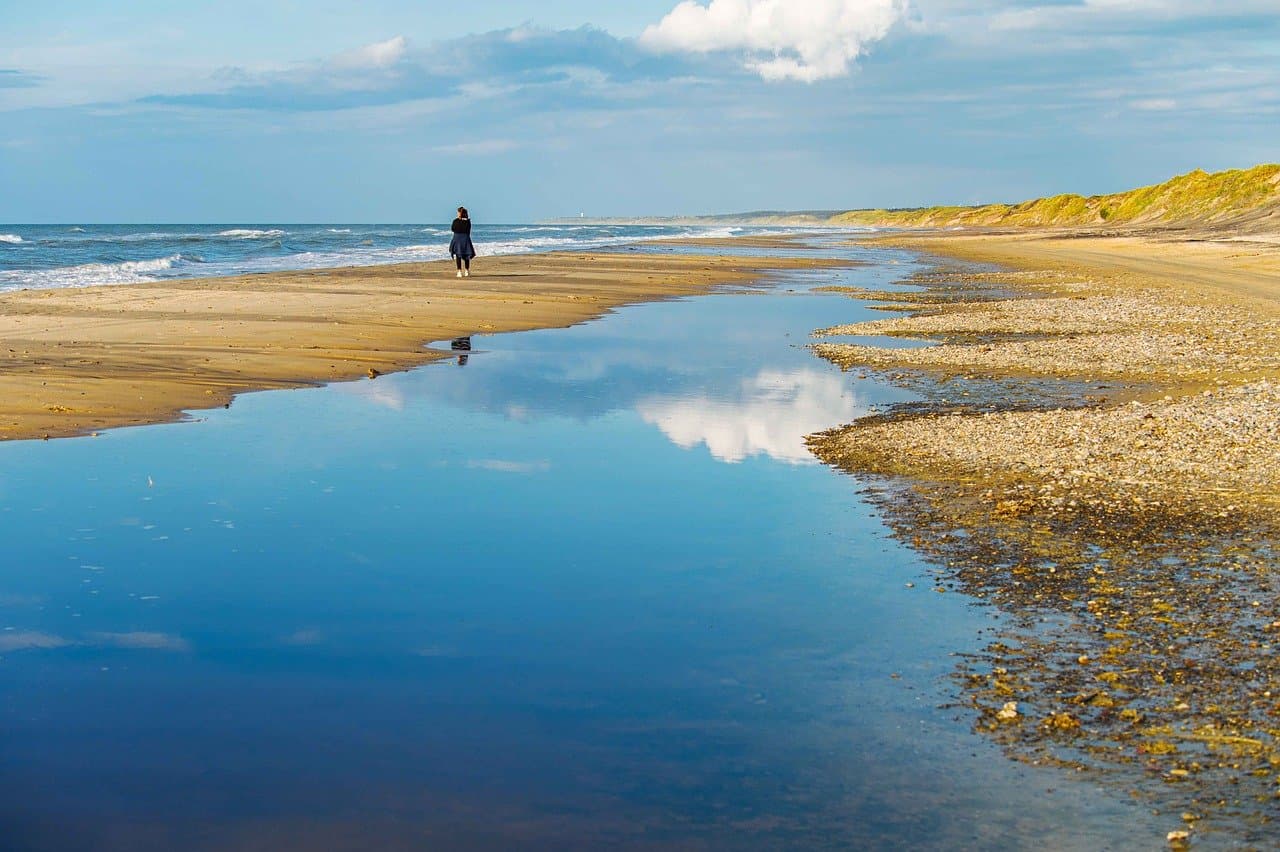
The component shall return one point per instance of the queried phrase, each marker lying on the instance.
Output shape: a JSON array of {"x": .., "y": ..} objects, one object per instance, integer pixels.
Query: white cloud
[
  {"x": 804, "y": 40},
  {"x": 479, "y": 148},
  {"x": 508, "y": 466},
  {"x": 772, "y": 414},
  {"x": 384, "y": 392},
  {"x": 380, "y": 54},
  {"x": 142, "y": 640},
  {"x": 24, "y": 640},
  {"x": 1155, "y": 104},
  {"x": 1137, "y": 12}
]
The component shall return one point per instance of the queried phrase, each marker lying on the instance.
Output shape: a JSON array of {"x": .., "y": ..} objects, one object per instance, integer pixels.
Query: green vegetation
[{"x": 1194, "y": 198}]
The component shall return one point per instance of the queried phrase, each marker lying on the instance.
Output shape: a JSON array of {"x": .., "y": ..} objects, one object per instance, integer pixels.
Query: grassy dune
[{"x": 1240, "y": 197}]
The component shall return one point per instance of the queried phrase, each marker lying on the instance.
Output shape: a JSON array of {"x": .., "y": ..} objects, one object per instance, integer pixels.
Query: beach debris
[{"x": 1009, "y": 712}]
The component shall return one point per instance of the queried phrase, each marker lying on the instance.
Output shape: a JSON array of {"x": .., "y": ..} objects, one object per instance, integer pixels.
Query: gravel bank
[{"x": 1099, "y": 459}]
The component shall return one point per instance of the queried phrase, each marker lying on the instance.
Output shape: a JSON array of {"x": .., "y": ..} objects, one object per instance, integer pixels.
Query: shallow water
[{"x": 585, "y": 589}]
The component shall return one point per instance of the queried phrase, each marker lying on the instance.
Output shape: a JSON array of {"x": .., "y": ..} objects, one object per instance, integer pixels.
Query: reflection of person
[
  {"x": 463, "y": 346},
  {"x": 460, "y": 247}
]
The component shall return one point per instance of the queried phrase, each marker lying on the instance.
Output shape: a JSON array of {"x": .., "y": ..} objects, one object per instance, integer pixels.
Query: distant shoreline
[{"x": 1236, "y": 200}]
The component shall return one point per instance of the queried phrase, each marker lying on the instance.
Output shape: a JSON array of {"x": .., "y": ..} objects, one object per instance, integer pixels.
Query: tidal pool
[{"x": 576, "y": 588}]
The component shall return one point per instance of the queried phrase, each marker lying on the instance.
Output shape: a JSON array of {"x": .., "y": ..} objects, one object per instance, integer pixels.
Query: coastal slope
[{"x": 1239, "y": 199}]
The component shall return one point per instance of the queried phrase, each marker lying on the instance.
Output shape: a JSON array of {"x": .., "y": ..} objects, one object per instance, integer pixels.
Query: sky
[{"x": 399, "y": 111}]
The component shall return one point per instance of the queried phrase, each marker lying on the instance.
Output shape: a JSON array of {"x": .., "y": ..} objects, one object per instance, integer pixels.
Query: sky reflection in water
[{"x": 585, "y": 589}]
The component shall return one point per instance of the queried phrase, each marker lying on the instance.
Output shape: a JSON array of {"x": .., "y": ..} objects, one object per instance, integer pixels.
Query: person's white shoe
[
  {"x": 466, "y": 273},
  {"x": 459, "y": 273}
]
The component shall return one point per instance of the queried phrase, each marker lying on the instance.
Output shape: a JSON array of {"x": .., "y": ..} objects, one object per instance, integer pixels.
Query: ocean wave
[
  {"x": 76, "y": 230},
  {"x": 250, "y": 233},
  {"x": 339, "y": 230},
  {"x": 714, "y": 233},
  {"x": 139, "y": 237},
  {"x": 11, "y": 238},
  {"x": 89, "y": 274}
]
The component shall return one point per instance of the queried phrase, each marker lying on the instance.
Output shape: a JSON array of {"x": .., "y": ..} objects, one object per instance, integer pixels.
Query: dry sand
[{"x": 78, "y": 360}]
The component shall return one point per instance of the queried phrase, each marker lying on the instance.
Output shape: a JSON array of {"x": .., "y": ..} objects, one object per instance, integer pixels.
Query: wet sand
[{"x": 78, "y": 360}]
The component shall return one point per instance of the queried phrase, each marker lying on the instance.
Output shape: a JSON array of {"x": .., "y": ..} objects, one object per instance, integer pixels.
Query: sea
[{"x": 53, "y": 256}]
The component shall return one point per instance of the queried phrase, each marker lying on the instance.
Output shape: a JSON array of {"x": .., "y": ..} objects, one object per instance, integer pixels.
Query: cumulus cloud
[
  {"x": 772, "y": 413},
  {"x": 804, "y": 40}
]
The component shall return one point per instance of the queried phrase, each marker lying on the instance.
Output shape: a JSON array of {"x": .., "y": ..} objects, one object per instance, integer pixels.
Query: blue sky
[{"x": 395, "y": 111}]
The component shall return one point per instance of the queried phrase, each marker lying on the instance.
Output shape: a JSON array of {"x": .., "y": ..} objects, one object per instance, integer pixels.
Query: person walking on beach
[{"x": 461, "y": 247}]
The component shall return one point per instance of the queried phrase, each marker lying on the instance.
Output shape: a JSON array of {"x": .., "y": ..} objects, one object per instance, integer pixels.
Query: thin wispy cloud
[
  {"x": 134, "y": 640},
  {"x": 25, "y": 640},
  {"x": 479, "y": 148},
  {"x": 1132, "y": 14},
  {"x": 139, "y": 640},
  {"x": 510, "y": 466},
  {"x": 11, "y": 78},
  {"x": 388, "y": 72}
]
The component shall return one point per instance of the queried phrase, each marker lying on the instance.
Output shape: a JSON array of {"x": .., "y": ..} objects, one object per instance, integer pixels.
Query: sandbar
[{"x": 75, "y": 361}]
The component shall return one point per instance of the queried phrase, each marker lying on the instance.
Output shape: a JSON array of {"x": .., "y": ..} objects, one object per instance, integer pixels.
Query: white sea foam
[
  {"x": 251, "y": 233},
  {"x": 89, "y": 274},
  {"x": 76, "y": 230},
  {"x": 11, "y": 238},
  {"x": 339, "y": 230},
  {"x": 714, "y": 234}
]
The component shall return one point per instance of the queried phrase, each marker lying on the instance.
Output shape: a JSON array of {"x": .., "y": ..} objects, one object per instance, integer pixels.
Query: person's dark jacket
[{"x": 461, "y": 245}]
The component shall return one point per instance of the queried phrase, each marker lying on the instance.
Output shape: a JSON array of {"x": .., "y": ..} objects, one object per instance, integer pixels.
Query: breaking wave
[
  {"x": 251, "y": 233},
  {"x": 89, "y": 274}
]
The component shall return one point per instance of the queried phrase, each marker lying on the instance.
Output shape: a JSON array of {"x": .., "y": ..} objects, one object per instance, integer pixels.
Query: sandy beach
[{"x": 91, "y": 358}]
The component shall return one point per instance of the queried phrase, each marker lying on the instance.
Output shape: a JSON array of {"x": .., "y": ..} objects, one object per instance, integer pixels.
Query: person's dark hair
[{"x": 462, "y": 212}]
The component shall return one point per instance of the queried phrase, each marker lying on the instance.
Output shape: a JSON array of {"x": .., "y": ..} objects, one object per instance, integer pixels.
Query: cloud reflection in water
[{"x": 771, "y": 414}]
